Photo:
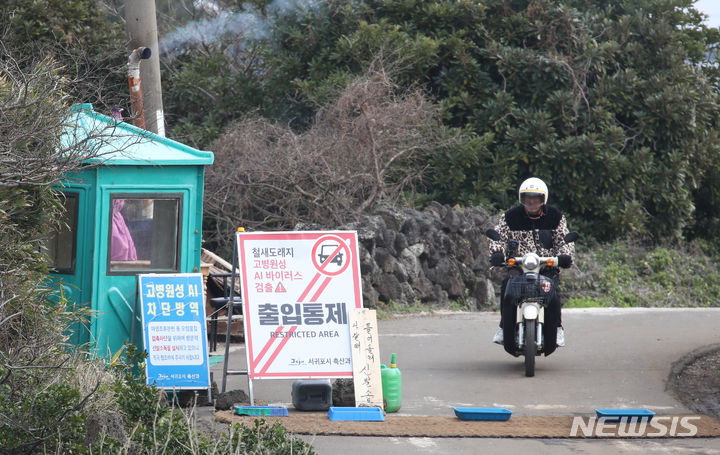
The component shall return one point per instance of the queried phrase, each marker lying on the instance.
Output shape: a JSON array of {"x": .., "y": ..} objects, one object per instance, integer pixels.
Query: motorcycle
[{"x": 531, "y": 293}]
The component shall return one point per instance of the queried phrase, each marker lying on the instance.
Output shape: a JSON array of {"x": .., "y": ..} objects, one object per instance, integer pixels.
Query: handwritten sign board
[
  {"x": 298, "y": 288},
  {"x": 173, "y": 318},
  {"x": 365, "y": 358}
]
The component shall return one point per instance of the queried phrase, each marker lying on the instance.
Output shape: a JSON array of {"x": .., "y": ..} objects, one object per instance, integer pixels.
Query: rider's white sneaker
[
  {"x": 560, "y": 337},
  {"x": 498, "y": 338}
]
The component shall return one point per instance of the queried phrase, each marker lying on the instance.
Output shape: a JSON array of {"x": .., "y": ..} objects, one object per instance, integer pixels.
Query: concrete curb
[{"x": 672, "y": 384}]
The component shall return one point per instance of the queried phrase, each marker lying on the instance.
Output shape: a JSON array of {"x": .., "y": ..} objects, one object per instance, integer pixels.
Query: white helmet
[{"x": 533, "y": 187}]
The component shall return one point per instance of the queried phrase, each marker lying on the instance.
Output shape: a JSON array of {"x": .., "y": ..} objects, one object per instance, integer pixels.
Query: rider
[{"x": 523, "y": 223}]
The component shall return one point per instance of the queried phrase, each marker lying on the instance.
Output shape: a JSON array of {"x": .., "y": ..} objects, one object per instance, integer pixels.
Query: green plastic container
[{"x": 392, "y": 386}]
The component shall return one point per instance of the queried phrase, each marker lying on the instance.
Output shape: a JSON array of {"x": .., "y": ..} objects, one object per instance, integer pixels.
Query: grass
[
  {"x": 621, "y": 274},
  {"x": 392, "y": 308},
  {"x": 583, "y": 302},
  {"x": 460, "y": 305},
  {"x": 626, "y": 274}
]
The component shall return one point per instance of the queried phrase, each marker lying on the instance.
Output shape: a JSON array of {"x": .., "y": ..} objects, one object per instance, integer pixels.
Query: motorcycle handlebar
[
  {"x": 548, "y": 261},
  {"x": 543, "y": 260}
]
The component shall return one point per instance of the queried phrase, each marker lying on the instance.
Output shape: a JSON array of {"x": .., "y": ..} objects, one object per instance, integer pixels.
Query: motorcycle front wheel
[{"x": 530, "y": 348}]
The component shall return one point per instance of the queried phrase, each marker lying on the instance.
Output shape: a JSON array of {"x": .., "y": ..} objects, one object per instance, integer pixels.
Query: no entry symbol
[{"x": 331, "y": 255}]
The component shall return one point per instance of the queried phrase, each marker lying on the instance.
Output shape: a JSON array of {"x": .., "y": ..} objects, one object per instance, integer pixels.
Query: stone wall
[{"x": 435, "y": 256}]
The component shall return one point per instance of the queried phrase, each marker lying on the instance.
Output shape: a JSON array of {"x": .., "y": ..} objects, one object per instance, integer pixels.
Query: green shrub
[
  {"x": 138, "y": 402},
  {"x": 57, "y": 404},
  {"x": 612, "y": 103},
  {"x": 583, "y": 302},
  {"x": 263, "y": 438},
  {"x": 48, "y": 388},
  {"x": 625, "y": 273},
  {"x": 155, "y": 426}
]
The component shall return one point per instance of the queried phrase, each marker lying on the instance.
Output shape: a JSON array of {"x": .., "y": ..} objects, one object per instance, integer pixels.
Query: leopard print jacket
[{"x": 515, "y": 224}]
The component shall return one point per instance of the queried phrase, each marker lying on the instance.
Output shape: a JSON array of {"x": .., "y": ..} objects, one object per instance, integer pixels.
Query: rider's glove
[
  {"x": 565, "y": 261},
  {"x": 497, "y": 258}
]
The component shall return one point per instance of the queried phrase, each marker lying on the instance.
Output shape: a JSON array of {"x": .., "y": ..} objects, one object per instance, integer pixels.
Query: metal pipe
[{"x": 135, "y": 83}]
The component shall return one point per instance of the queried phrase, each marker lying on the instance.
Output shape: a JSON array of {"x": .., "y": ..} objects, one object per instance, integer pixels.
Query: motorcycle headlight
[{"x": 531, "y": 262}]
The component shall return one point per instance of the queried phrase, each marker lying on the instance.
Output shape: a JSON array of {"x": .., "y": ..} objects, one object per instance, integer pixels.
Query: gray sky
[{"x": 712, "y": 9}]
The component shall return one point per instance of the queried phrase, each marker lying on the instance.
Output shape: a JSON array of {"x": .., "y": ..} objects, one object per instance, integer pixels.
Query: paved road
[{"x": 615, "y": 358}]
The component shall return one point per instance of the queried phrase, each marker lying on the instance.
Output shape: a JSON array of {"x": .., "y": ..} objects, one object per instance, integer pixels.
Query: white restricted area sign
[{"x": 298, "y": 288}]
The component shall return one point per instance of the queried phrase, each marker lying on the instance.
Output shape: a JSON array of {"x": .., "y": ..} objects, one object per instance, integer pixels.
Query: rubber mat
[{"x": 680, "y": 426}]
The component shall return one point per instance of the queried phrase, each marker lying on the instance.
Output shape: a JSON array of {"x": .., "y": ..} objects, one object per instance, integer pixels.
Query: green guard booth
[{"x": 137, "y": 210}]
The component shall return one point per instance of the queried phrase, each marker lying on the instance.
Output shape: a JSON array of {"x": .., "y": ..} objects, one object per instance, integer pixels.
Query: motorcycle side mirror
[
  {"x": 571, "y": 237},
  {"x": 546, "y": 240},
  {"x": 492, "y": 234}
]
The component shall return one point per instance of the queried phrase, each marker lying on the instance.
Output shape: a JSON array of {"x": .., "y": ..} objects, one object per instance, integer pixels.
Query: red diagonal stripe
[
  {"x": 278, "y": 349},
  {"x": 330, "y": 257},
  {"x": 309, "y": 286},
  {"x": 267, "y": 346},
  {"x": 320, "y": 289}
]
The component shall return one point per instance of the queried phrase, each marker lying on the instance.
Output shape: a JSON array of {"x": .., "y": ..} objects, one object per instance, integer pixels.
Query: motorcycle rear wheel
[{"x": 530, "y": 348}]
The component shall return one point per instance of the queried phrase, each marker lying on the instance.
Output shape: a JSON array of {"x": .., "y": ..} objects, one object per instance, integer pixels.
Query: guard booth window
[
  {"x": 144, "y": 233},
  {"x": 60, "y": 246}
]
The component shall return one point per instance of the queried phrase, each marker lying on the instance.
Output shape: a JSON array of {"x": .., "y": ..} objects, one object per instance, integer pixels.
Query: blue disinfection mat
[
  {"x": 272, "y": 411},
  {"x": 491, "y": 414},
  {"x": 615, "y": 415},
  {"x": 366, "y": 414}
]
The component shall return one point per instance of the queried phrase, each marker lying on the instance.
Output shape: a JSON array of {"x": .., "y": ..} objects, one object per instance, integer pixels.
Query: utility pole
[{"x": 142, "y": 28}]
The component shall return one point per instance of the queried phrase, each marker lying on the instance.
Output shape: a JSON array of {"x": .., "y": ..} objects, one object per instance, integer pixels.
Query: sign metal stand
[{"x": 230, "y": 306}]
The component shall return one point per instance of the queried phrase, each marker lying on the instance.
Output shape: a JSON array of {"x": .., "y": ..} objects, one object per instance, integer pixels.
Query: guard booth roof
[{"x": 118, "y": 143}]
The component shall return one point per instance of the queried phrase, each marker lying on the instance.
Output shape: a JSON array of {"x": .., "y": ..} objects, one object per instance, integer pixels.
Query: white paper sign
[{"x": 365, "y": 347}]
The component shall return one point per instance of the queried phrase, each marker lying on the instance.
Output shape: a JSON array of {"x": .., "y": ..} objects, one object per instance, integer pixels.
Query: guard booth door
[
  {"x": 142, "y": 233},
  {"x": 69, "y": 250}
]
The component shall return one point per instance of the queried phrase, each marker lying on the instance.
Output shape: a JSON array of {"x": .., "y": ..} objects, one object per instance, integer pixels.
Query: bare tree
[
  {"x": 369, "y": 145},
  {"x": 35, "y": 114},
  {"x": 41, "y": 142}
]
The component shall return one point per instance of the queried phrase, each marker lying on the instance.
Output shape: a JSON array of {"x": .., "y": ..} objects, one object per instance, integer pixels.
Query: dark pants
[{"x": 553, "y": 314}]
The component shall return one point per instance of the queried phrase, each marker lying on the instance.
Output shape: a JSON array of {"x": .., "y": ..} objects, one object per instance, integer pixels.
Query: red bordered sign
[{"x": 298, "y": 288}]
